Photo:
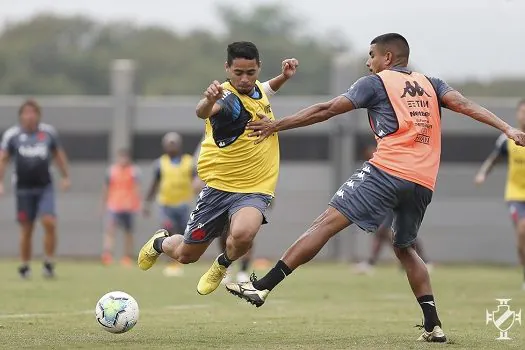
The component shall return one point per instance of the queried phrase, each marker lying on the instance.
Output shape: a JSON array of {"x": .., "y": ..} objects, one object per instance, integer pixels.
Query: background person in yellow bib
[
  {"x": 240, "y": 176},
  {"x": 173, "y": 183},
  {"x": 515, "y": 187}
]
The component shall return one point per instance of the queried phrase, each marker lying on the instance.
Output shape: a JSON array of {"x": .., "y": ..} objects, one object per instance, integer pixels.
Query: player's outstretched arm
[
  {"x": 314, "y": 114},
  {"x": 456, "y": 102},
  {"x": 289, "y": 68}
]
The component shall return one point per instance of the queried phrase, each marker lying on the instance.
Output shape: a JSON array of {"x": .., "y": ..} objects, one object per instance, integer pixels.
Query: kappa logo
[
  {"x": 413, "y": 89},
  {"x": 503, "y": 318},
  {"x": 267, "y": 109}
]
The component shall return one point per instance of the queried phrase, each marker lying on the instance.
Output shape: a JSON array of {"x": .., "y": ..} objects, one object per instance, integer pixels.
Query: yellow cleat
[
  {"x": 211, "y": 279},
  {"x": 148, "y": 255}
]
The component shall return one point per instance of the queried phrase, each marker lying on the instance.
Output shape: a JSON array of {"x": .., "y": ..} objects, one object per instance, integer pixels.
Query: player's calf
[{"x": 419, "y": 280}]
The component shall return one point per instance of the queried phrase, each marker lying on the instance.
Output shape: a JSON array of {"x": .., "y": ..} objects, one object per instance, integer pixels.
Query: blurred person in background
[
  {"x": 515, "y": 186},
  {"x": 384, "y": 236},
  {"x": 121, "y": 197},
  {"x": 33, "y": 145},
  {"x": 173, "y": 182},
  {"x": 240, "y": 175}
]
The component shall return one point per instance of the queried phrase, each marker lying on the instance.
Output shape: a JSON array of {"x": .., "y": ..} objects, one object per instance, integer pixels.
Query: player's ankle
[
  {"x": 275, "y": 276},
  {"x": 223, "y": 260},
  {"x": 157, "y": 244}
]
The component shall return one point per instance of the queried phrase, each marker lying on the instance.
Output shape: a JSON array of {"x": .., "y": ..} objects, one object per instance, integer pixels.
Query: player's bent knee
[
  {"x": 403, "y": 252},
  {"x": 189, "y": 253},
  {"x": 243, "y": 236},
  {"x": 187, "y": 259}
]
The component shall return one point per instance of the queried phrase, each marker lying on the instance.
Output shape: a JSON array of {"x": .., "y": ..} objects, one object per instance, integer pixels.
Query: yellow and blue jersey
[{"x": 229, "y": 160}]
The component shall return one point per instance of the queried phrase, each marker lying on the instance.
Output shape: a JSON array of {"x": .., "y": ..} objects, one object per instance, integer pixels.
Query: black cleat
[
  {"x": 24, "y": 271},
  {"x": 48, "y": 270}
]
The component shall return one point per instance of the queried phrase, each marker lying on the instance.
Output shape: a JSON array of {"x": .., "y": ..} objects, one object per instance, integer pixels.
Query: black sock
[
  {"x": 224, "y": 260},
  {"x": 157, "y": 244},
  {"x": 372, "y": 261},
  {"x": 429, "y": 312},
  {"x": 274, "y": 277},
  {"x": 245, "y": 263}
]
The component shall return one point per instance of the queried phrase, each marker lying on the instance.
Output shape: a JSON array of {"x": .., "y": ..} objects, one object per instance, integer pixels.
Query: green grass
[{"x": 321, "y": 306}]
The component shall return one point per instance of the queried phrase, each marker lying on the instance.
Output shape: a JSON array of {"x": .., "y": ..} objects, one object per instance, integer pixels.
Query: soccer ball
[{"x": 117, "y": 312}]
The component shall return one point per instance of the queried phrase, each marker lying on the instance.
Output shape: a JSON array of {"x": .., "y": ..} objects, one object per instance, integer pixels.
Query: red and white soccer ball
[{"x": 117, "y": 312}]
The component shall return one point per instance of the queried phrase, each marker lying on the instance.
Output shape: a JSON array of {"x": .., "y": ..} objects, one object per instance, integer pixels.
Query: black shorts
[
  {"x": 123, "y": 219},
  {"x": 370, "y": 195},
  {"x": 214, "y": 209}
]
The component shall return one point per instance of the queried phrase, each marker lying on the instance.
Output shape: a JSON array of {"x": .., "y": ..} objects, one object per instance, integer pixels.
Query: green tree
[{"x": 50, "y": 54}]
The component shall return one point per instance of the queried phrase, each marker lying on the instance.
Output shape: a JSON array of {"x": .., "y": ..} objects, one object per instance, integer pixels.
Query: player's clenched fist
[
  {"x": 517, "y": 136},
  {"x": 214, "y": 92}
]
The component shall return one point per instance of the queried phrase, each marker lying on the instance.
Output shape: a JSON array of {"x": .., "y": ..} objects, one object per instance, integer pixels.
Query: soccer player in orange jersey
[{"x": 404, "y": 108}]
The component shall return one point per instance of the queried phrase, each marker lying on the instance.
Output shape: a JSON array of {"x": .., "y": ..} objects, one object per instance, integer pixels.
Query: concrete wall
[{"x": 464, "y": 224}]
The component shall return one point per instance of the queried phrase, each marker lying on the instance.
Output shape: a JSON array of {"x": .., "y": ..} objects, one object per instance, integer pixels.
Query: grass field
[{"x": 322, "y": 306}]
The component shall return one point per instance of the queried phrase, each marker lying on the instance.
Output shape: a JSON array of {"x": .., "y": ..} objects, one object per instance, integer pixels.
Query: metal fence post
[{"x": 123, "y": 93}]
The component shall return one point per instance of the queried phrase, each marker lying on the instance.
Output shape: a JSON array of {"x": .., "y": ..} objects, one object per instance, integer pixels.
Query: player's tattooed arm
[
  {"x": 456, "y": 102},
  {"x": 314, "y": 114}
]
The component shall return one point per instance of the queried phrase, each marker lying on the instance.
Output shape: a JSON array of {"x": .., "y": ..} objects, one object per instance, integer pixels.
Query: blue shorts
[
  {"x": 370, "y": 195},
  {"x": 123, "y": 219},
  {"x": 517, "y": 211},
  {"x": 214, "y": 209},
  {"x": 174, "y": 219},
  {"x": 35, "y": 202}
]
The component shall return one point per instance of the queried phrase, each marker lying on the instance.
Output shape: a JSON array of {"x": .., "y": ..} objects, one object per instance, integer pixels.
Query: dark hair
[
  {"x": 30, "y": 103},
  {"x": 242, "y": 49},
  {"x": 521, "y": 103},
  {"x": 394, "y": 41}
]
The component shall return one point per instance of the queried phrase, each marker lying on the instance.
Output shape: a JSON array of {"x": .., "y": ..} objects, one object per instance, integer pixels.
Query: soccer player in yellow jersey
[
  {"x": 515, "y": 188},
  {"x": 240, "y": 175}
]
